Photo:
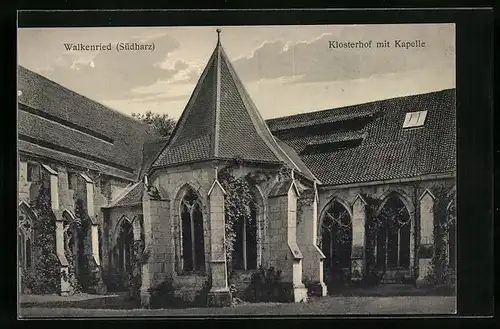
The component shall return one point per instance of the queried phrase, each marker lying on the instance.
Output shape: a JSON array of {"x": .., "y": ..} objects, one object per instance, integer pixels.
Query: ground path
[{"x": 108, "y": 306}]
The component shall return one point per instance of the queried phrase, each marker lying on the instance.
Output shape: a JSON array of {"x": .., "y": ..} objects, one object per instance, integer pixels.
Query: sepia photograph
[{"x": 200, "y": 171}]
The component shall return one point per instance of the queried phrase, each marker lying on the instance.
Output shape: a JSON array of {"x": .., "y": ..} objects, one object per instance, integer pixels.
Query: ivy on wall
[
  {"x": 238, "y": 201},
  {"x": 373, "y": 225},
  {"x": 89, "y": 276},
  {"x": 140, "y": 256},
  {"x": 444, "y": 221},
  {"x": 68, "y": 252},
  {"x": 237, "y": 204},
  {"x": 305, "y": 199},
  {"x": 46, "y": 276},
  {"x": 439, "y": 271}
]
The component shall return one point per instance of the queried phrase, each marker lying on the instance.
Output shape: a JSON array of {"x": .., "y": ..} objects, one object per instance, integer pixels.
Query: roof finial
[{"x": 218, "y": 35}]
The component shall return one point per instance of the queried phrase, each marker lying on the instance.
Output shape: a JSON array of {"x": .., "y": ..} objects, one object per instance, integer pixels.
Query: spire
[
  {"x": 218, "y": 36},
  {"x": 221, "y": 121}
]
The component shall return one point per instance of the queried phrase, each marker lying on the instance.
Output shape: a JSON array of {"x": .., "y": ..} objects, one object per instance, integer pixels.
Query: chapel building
[{"x": 347, "y": 194}]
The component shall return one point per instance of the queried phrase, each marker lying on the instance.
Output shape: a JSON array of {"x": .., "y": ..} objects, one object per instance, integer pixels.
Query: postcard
[{"x": 237, "y": 170}]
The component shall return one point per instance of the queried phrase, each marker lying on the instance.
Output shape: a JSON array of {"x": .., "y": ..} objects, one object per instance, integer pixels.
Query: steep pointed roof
[{"x": 221, "y": 121}]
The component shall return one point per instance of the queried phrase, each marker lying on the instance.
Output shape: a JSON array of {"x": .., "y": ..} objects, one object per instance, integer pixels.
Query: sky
[{"x": 286, "y": 69}]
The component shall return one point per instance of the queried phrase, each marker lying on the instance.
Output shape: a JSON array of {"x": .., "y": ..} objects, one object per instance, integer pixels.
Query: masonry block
[
  {"x": 219, "y": 298},
  {"x": 312, "y": 262},
  {"x": 426, "y": 248}
]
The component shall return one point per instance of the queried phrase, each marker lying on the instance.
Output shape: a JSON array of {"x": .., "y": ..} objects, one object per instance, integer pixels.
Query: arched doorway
[
  {"x": 124, "y": 252},
  {"x": 393, "y": 236},
  {"x": 192, "y": 233},
  {"x": 244, "y": 255},
  {"x": 336, "y": 242}
]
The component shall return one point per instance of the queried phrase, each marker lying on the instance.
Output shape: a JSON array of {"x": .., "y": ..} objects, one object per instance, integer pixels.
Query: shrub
[
  {"x": 112, "y": 279},
  {"x": 162, "y": 296},
  {"x": 266, "y": 286},
  {"x": 438, "y": 275},
  {"x": 28, "y": 282},
  {"x": 201, "y": 299},
  {"x": 47, "y": 277},
  {"x": 439, "y": 272}
]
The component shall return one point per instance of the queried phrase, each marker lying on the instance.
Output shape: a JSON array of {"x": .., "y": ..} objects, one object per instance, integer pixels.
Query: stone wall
[
  {"x": 171, "y": 183},
  {"x": 113, "y": 218},
  {"x": 87, "y": 188},
  {"x": 419, "y": 203},
  {"x": 23, "y": 184}
]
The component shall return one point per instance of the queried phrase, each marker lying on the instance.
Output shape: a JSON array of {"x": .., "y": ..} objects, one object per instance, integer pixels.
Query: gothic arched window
[
  {"x": 393, "y": 237},
  {"x": 192, "y": 234},
  {"x": 245, "y": 245},
  {"x": 25, "y": 237},
  {"x": 336, "y": 240},
  {"x": 124, "y": 249}
]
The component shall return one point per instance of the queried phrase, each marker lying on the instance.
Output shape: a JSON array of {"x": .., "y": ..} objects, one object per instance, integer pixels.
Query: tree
[{"x": 162, "y": 123}]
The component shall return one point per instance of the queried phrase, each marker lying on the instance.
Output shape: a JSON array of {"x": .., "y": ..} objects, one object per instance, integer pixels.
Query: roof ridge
[
  {"x": 123, "y": 193},
  {"x": 125, "y": 116},
  {"x": 216, "y": 122},
  {"x": 353, "y": 105},
  {"x": 245, "y": 97},
  {"x": 187, "y": 109}
]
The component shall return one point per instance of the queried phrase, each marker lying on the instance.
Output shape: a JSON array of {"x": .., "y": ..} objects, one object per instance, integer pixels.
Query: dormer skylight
[
  {"x": 414, "y": 119},
  {"x": 335, "y": 142}
]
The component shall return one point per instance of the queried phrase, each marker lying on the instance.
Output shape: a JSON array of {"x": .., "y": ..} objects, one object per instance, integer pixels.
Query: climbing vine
[
  {"x": 238, "y": 201},
  {"x": 46, "y": 277},
  {"x": 237, "y": 204},
  {"x": 373, "y": 225},
  {"x": 445, "y": 220},
  {"x": 89, "y": 276},
  {"x": 70, "y": 230},
  {"x": 305, "y": 198},
  {"x": 140, "y": 256}
]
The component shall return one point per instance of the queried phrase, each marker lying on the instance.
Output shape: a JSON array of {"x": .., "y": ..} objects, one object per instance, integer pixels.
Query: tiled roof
[
  {"x": 132, "y": 197},
  {"x": 56, "y": 118},
  {"x": 341, "y": 136},
  {"x": 150, "y": 150},
  {"x": 220, "y": 121},
  {"x": 387, "y": 151},
  {"x": 296, "y": 159},
  {"x": 323, "y": 117},
  {"x": 280, "y": 188}
]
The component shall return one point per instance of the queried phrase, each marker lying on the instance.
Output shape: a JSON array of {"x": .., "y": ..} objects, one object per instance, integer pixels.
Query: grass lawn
[{"x": 316, "y": 306}]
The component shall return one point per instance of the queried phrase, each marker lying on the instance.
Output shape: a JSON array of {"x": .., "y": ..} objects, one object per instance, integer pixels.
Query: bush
[
  {"x": 439, "y": 273},
  {"x": 201, "y": 299},
  {"x": 112, "y": 280},
  {"x": 266, "y": 286},
  {"x": 28, "y": 282},
  {"x": 162, "y": 296},
  {"x": 440, "y": 276},
  {"x": 47, "y": 274}
]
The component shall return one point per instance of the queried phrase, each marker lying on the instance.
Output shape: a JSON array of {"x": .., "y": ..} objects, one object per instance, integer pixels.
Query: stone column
[
  {"x": 63, "y": 262},
  {"x": 54, "y": 202},
  {"x": 284, "y": 250},
  {"x": 426, "y": 247},
  {"x": 358, "y": 255},
  {"x": 219, "y": 294},
  {"x": 94, "y": 237},
  {"x": 157, "y": 241},
  {"x": 99, "y": 286},
  {"x": 312, "y": 263}
]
